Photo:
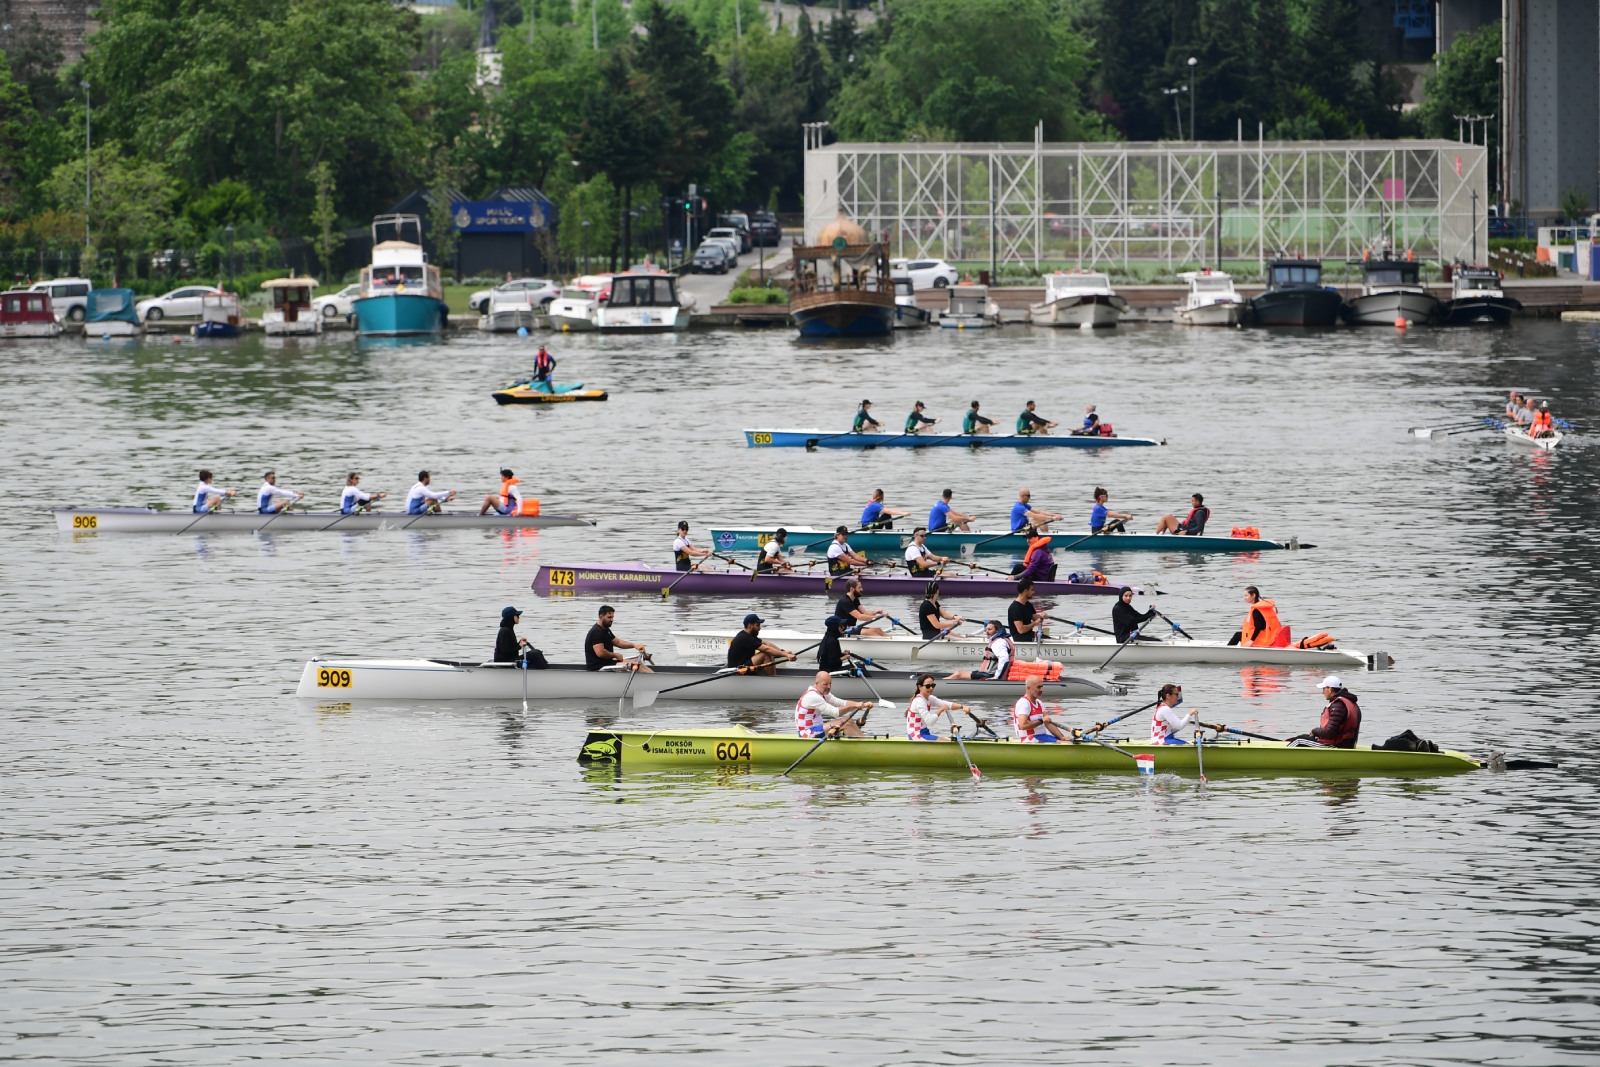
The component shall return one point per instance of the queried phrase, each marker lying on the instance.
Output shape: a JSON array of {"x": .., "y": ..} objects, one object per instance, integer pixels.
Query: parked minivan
[{"x": 69, "y": 296}]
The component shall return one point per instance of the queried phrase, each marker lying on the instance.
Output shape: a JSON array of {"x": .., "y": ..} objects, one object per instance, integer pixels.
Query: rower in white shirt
[
  {"x": 354, "y": 499},
  {"x": 208, "y": 497},
  {"x": 268, "y": 497},
  {"x": 422, "y": 500},
  {"x": 812, "y": 711},
  {"x": 1166, "y": 722},
  {"x": 841, "y": 557},
  {"x": 925, "y": 708},
  {"x": 997, "y": 655},
  {"x": 919, "y": 561},
  {"x": 771, "y": 560},
  {"x": 1033, "y": 723},
  {"x": 684, "y": 553}
]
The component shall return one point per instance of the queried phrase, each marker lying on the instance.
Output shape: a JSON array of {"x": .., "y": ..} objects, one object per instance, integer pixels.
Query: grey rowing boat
[{"x": 149, "y": 520}]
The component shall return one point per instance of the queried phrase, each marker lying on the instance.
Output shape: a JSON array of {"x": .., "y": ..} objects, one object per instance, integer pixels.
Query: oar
[
  {"x": 1241, "y": 733},
  {"x": 1131, "y": 639},
  {"x": 1100, "y": 727},
  {"x": 674, "y": 583},
  {"x": 862, "y": 674},
  {"x": 1081, "y": 540},
  {"x": 347, "y": 514},
  {"x": 983, "y": 724},
  {"x": 820, "y": 741},
  {"x": 1199, "y": 755},
  {"x": 203, "y": 514},
  {"x": 931, "y": 640},
  {"x": 955, "y": 732},
  {"x": 989, "y": 570},
  {"x": 525, "y": 683},
  {"x": 1082, "y": 625},
  {"x": 813, "y": 442},
  {"x": 645, "y": 700},
  {"x": 859, "y": 529},
  {"x": 1176, "y": 627},
  {"x": 730, "y": 559},
  {"x": 904, "y": 627},
  {"x": 1020, "y": 531},
  {"x": 631, "y": 676}
]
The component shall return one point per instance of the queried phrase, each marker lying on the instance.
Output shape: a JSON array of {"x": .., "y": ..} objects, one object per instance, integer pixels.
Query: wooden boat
[
  {"x": 401, "y": 293},
  {"x": 1211, "y": 300},
  {"x": 970, "y": 308},
  {"x": 348, "y": 678},
  {"x": 111, "y": 313},
  {"x": 27, "y": 313},
  {"x": 291, "y": 313},
  {"x": 812, "y": 539},
  {"x": 641, "y": 578},
  {"x": 813, "y": 439},
  {"x": 1079, "y": 298},
  {"x": 846, "y": 291},
  {"x": 1295, "y": 296},
  {"x": 904, "y": 650},
  {"x": 149, "y": 520},
  {"x": 219, "y": 316},
  {"x": 1476, "y": 299},
  {"x": 1390, "y": 290},
  {"x": 545, "y": 393},
  {"x": 743, "y": 748}
]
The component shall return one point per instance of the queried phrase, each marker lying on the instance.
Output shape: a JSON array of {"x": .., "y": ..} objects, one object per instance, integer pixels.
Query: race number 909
[{"x": 332, "y": 678}]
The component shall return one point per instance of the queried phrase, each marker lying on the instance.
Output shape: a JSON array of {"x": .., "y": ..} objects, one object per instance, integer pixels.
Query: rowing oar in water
[
  {"x": 645, "y": 700},
  {"x": 367, "y": 507},
  {"x": 826, "y": 736},
  {"x": 674, "y": 583},
  {"x": 1199, "y": 754},
  {"x": 955, "y": 732},
  {"x": 1241, "y": 733},
  {"x": 525, "y": 684},
  {"x": 638, "y": 666}
]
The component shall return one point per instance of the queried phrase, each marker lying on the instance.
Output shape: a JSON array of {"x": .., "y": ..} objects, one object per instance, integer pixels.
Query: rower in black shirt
[
  {"x": 600, "y": 645},
  {"x": 1126, "y": 619},
  {"x": 748, "y": 650},
  {"x": 931, "y": 617},
  {"x": 865, "y": 423},
  {"x": 849, "y": 608},
  {"x": 1022, "y": 618},
  {"x": 830, "y": 657},
  {"x": 507, "y": 645}
]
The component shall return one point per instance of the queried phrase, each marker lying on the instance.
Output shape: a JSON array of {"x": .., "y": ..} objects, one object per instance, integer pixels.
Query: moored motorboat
[
  {"x": 1078, "y": 298},
  {"x": 401, "y": 293},
  {"x": 531, "y": 392},
  {"x": 641, "y": 578},
  {"x": 1295, "y": 296},
  {"x": 150, "y": 520},
  {"x": 813, "y": 439},
  {"x": 809, "y": 538},
  {"x": 908, "y": 314},
  {"x": 27, "y": 313},
  {"x": 1089, "y": 650},
  {"x": 577, "y": 308},
  {"x": 970, "y": 308},
  {"x": 641, "y": 302},
  {"x": 1211, "y": 300},
  {"x": 111, "y": 313},
  {"x": 1390, "y": 290},
  {"x": 354, "y": 678},
  {"x": 740, "y": 746},
  {"x": 508, "y": 311},
  {"x": 842, "y": 285},
  {"x": 291, "y": 313},
  {"x": 1476, "y": 298},
  {"x": 219, "y": 316}
]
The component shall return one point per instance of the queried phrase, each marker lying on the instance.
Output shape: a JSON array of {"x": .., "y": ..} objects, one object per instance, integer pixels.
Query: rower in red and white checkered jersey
[
  {"x": 1033, "y": 723},
  {"x": 811, "y": 711},
  {"x": 925, "y": 708}
]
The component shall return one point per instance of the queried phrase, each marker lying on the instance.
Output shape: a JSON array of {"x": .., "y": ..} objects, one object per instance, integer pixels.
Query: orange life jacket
[
  {"x": 1247, "y": 531},
  {"x": 1048, "y": 669},
  {"x": 1542, "y": 424},
  {"x": 1315, "y": 641},
  {"x": 1268, "y": 637},
  {"x": 529, "y": 507},
  {"x": 1034, "y": 544}
]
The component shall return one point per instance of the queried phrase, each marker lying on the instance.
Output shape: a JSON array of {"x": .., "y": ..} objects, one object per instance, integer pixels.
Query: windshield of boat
[
  {"x": 902, "y": 287},
  {"x": 642, "y": 292},
  {"x": 112, "y": 301},
  {"x": 1396, "y": 275},
  {"x": 1296, "y": 275},
  {"x": 1213, "y": 283},
  {"x": 1480, "y": 281},
  {"x": 393, "y": 277}
]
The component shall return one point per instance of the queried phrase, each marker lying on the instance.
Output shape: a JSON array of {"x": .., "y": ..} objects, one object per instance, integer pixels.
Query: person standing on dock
[
  {"x": 422, "y": 500},
  {"x": 811, "y": 711},
  {"x": 600, "y": 645},
  {"x": 1193, "y": 525},
  {"x": 353, "y": 499},
  {"x": 1031, "y": 422},
  {"x": 877, "y": 517},
  {"x": 1023, "y": 514},
  {"x": 974, "y": 423},
  {"x": 208, "y": 497},
  {"x": 865, "y": 423},
  {"x": 944, "y": 517},
  {"x": 1341, "y": 719},
  {"x": 917, "y": 420},
  {"x": 269, "y": 495},
  {"x": 841, "y": 557},
  {"x": 683, "y": 551}
]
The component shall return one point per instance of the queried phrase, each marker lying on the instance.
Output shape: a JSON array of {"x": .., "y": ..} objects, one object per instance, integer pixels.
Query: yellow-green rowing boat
[{"x": 742, "y": 747}]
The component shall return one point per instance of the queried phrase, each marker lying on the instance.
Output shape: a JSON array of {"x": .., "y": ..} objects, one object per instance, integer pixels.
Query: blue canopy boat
[{"x": 111, "y": 313}]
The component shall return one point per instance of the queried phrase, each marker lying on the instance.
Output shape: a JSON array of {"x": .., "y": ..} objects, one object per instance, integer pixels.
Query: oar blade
[{"x": 644, "y": 698}]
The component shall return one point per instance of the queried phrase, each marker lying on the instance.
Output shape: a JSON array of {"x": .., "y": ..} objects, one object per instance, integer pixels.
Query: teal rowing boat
[{"x": 810, "y": 539}]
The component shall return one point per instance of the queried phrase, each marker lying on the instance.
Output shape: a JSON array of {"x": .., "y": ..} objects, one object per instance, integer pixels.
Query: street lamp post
[
  {"x": 1500, "y": 137},
  {"x": 1176, "y": 112},
  {"x": 1193, "y": 134}
]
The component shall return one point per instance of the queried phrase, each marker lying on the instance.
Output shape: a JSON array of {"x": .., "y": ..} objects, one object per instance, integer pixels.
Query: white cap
[{"x": 1332, "y": 682}]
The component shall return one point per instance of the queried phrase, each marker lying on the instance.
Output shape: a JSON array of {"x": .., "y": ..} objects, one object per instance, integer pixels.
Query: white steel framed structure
[{"x": 1168, "y": 203}]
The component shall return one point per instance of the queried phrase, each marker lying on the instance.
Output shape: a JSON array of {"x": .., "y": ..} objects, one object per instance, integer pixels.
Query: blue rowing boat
[
  {"x": 811, "y": 440},
  {"x": 807, "y": 538}
]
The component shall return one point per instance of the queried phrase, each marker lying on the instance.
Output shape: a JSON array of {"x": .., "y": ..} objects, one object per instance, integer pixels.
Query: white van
[{"x": 69, "y": 296}]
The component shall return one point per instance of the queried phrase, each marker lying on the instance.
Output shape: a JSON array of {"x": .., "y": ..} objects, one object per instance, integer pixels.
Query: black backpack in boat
[{"x": 1407, "y": 742}]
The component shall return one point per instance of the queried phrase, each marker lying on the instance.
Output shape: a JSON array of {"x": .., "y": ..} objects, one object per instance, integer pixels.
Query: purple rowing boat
[{"x": 639, "y": 578}]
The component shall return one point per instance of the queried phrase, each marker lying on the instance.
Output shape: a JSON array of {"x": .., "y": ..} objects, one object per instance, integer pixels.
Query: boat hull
[
  {"x": 216, "y": 329},
  {"x": 1297, "y": 307},
  {"x": 1479, "y": 311},
  {"x": 813, "y": 439},
  {"x": 1084, "y": 312},
  {"x": 113, "y": 328},
  {"x": 657, "y": 580},
  {"x": 1090, "y": 651},
  {"x": 641, "y": 319},
  {"x": 965, "y": 322},
  {"x": 508, "y": 320},
  {"x": 1382, "y": 309},
  {"x": 911, "y": 317},
  {"x": 398, "y": 315},
  {"x": 1522, "y": 439},
  {"x": 148, "y": 520},
  {"x": 345, "y": 678},
  {"x": 806, "y": 538},
  {"x": 1219, "y": 314},
  {"x": 30, "y": 329},
  {"x": 570, "y": 315},
  {"x": 741, "y": 747},
  {"x": 843, "y": 317}
]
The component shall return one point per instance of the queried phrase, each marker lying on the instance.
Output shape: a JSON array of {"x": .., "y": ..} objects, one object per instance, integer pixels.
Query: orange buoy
[{"x": 1400, "y": 323}]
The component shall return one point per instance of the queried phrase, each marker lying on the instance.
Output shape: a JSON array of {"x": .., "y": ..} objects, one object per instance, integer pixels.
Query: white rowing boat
[
  {"x": 340, "y": 678},
  {"x": 1086, "y": 649},
  {"x": 149, "y": 520},
  {"x": 1516, "y": 435}
]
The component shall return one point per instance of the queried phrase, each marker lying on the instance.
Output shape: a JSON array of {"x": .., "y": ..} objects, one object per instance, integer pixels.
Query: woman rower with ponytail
[{"x": 1166, "y": 722}]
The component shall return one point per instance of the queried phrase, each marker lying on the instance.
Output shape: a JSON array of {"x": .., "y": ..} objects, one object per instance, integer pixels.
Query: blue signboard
[{"x": 499, "y": 216}]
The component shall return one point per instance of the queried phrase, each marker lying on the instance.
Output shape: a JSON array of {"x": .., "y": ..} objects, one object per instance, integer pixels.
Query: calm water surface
[{"x": 198, "y": 868}]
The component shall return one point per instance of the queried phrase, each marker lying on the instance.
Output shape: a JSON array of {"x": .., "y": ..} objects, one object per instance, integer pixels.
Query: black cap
[
  {"x": 843, "y": 529},
  {"x": 683, "y": 524},
  {"x": 753, "y": 617},
  {"x": 781, "y": 533},
  {"x": 510, "y": 613},
  {"x": 865, "y": 402}
]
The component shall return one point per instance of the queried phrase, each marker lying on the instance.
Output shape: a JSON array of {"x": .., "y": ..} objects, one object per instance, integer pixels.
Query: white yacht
[
  {"x": 508, "y": 312},
  {"x": 1211, "y": 300},
  {"x": 1078, "y": 298},
  {"x": 641, "y": 302},
  {"x": 575, "y": 308}
]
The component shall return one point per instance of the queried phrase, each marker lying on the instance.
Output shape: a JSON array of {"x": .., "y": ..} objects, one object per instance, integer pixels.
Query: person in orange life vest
[
  {"x": 1341, "y": 719},
  {"x": 544, "y": 365},
  {"x": 1262, "y": 627},
  {"x": 1543, "y": 424},
  {"x": 509, "y": 500},
  {"x": 997, "y": 655},
  {"x": 1194, "y": 525},
  {"x": 1037, "y": 563}
]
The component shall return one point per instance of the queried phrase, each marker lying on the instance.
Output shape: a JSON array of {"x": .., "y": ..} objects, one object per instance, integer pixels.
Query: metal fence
[{"x": 1169, "y": 203}]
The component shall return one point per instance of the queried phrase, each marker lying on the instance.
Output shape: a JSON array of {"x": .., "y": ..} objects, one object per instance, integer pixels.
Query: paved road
[{"x": 709, "y": 289}]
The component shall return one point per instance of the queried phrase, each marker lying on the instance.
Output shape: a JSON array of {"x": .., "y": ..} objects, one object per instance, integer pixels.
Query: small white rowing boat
[
  {"x": 1516, "y": 435},
  {"x": 1088, "y": 650}
]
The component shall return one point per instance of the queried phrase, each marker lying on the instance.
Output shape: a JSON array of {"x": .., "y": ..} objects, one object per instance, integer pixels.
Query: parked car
[
  {"x": 68, "y": 296},
  {"x": 927, "y": 273},
  {"x": 179, "y": 304},
  {"x": 337, "y": 305},
  {"x": 764, "y": 230},
  {"x": 711, "y": 257},
  {"x": 736, "y": 241},
  {"x": 543, "y": 291},
  {"x": 737, "y": 220}
]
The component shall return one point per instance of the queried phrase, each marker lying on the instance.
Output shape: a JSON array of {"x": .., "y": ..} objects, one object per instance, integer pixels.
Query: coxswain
[
  {"x": 507, "y": 645},
  {"x": 857, "y": 617},
  {"x": 925, "y": 708},
  {"x": 1037, "y": 563},
  {"x": 999, "y": 653},
  {"x": 509, "y": 500},
  {"x": 931, "y": 618},
  {"x": 424, "y": 501},
  {"x": 1022, "y": 618},
  {"x": 974, "y": 423},
  {"x": 544, "y": 365},
  {"x": 1341, "y": 719},
  {"x": 865, "y": 423},
  {"x": 841, "y": 557},
  {"x": 1023, "y": 514},
  {"x": 772, "y": 559},
  {"x": 1031, "y": 422},
  {"x": 268, "y": 497},
  {"x": 1262, "y": 627},
  {"x": 1543, "y": 422},
  {"x": 683, "y": 551},
  {"x": 353, "y": 499},
  {"x": 1166, "y": 722},
  {"x": 943, "y": 517},
  {"x": 600, "y": 645},
  {"x": 1033, "y": 723},
  {"x": 917, "y": 420},
  {"x": 1091, "y": 423},
  {"x": 208, "y": 497},
  {"x": 812, "y": 711},
  {"x": 1102, "y": 519},
  {"x": 1126, "y": 619},
  {"x": 919, "y": 561},
  {"x": 747, "y": 649},
  {"x": 877, "y": 517},
  {"x": 1193, "y": 525}
]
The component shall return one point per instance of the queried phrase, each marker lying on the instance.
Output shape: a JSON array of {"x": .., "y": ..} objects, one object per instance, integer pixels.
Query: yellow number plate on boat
[
  {"x": 85, "y": 522},
  {"x": 328, "y": 678},
  {"x": 563, "y": 577},
  {"x": 733, "y": 751},
  {"x": 761, "y": 438}
]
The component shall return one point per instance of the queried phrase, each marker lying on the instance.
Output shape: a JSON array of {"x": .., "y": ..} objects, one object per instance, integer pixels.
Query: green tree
[
  {"x": 17, "y": 114},
  {"x": 131, "y": 205},
  {"x": 593, "y": 202},
  {"x": 445, "y": 181},
  {"x": 1464, "y": 81},
  {"x": 325, "y": 218},
  {"x": 1574, "y": 204}
]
